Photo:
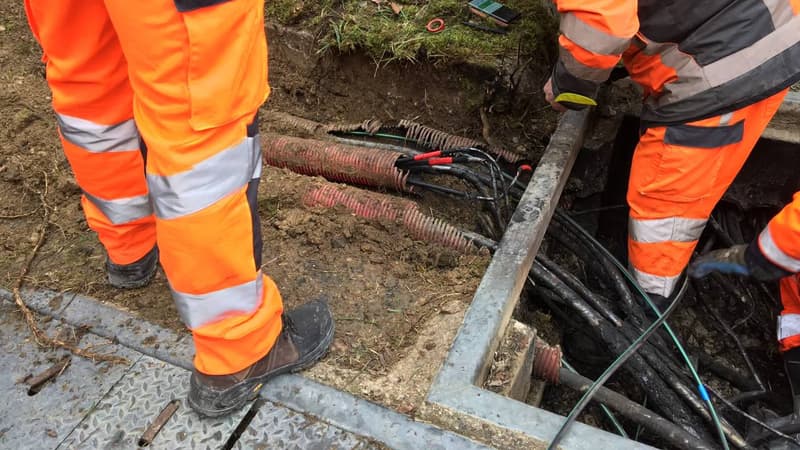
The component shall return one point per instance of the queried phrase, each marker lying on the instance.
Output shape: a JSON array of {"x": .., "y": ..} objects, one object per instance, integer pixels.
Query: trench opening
[{"x": 719, "y": 321}]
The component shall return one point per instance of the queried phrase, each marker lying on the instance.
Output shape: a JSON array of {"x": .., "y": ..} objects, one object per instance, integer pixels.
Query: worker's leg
[
  {"x": 678, "y": 175},
  {"x": 789, "y": 334},
  {"x": 780, "y": 243},
  {"x": 92, "y": 98},
  {"x": 199, "y": 76},
  {"x": 789, "y": 320}
]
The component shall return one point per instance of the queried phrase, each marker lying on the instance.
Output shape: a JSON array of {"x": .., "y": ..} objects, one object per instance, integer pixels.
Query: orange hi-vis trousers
[
  {"x": 780, "y": 244},
  {"x": 186, "y": 78},
  {"x": 678, "y": 175}
]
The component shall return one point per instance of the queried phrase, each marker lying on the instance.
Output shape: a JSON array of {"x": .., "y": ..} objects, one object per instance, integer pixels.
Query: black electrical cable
[
  {"x": 671, "y": 433},
  {"x": 618, "y": 281},
  {"x": 579, "y": 288},
  {"x": 446, "y": 190},
  {"x": 587, "y": 397},
  {"x": 749, "y": 417},
  {"x": 647, "y": 377}
]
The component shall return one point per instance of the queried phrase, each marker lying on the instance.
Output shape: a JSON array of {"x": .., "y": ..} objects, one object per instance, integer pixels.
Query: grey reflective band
[
  {"x": 745, "y": 60},
  {"x": 207, "y": 182},
  {"x": 654, "y": 284},
  {"x": 693, "y": 97},
  {"x": 690, "y": 75},
  {"x": 581, "y": 70},
  {"x": 97, "y": 138},
  {"x": 775, "y": 255},
  {"x": 704, "y": 137},
  {"x": 590, "y": 38},
  {"x": 780, "y": 10},
  {"x": 671, "y": 229},
  {"x": 122, "y": 210},
  {"x": 788, "y": 326},
  {"x": 197, "y": 310}
]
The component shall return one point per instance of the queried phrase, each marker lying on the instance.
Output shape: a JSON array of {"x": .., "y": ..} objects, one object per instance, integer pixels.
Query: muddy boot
[
  {"x": 306, "y": 335},
  {"x": 134, "y": 275}
]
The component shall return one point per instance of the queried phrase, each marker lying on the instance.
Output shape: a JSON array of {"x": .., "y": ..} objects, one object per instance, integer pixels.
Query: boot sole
[{"x": 250, "y": 385}]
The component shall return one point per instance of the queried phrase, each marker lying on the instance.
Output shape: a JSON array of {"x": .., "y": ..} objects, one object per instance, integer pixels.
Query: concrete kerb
[
  {"x": 296, "y": 392},
  {"x": 456, "y": 390},
  {"x": 783, "y": 126}
]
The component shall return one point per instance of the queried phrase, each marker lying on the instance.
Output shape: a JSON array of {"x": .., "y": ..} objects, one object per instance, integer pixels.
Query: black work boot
[
  {"x": 135, "y": 274},
  {"x": 306, "y": 335}
]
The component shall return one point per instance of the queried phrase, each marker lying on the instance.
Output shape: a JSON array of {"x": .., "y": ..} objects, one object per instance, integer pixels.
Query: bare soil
[{"x": 397, "y": 302}]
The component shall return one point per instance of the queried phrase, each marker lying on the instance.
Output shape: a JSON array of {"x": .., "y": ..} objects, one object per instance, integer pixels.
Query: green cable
[
  {"x": 608, "y": 413},
  {"x": 700, "y": 386}
]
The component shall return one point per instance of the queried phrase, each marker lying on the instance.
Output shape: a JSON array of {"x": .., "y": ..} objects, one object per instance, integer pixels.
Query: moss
[{"x": 349, "y": 25}]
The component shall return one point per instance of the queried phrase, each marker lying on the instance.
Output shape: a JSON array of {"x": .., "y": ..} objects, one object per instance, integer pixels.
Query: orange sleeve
[{"x": 594, "y": 34}]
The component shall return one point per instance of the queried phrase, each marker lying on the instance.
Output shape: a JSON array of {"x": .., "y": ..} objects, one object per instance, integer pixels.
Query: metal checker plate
[
  {"x": 276, "y": 427},
  {"x": 44, "y": 419},
  {"x": 123, "y": 415}
]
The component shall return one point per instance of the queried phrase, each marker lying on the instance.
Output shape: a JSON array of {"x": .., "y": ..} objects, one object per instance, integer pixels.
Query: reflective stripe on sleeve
[
  {"x": 122, "y": 210},
  {"x": 581, "y": 70},
  {"x": 775, "y": 255},
  {"x": 743, "y": 61},
  {"x": 97, "y": 138},
  {"x": 197, "y": 310},
  {"x": 674, "y": 229},
  {"x": 207, "y": 182},
  {"x": 780, "y": 10},
  {"x": 590, "y": 38},
  {"x": 788, "y": 326}
]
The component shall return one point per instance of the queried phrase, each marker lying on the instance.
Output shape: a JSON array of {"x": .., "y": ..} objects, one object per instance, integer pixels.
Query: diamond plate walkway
[{"x": 90, "y": 405}]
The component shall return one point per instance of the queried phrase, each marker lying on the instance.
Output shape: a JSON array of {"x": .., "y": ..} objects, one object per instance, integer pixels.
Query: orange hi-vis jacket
[{"x": 693, "y": 59}]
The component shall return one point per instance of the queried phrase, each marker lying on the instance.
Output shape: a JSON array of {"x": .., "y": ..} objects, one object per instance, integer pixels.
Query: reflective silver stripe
[
  {"x": 675, "y": 229},
  {"x": 725, "y": 119},
  {"x": 207, "y": 182},
  {"x": 98, "y": 138},
  {"x": 590, "y": 38},
  {"x": 122, "y": 210},
  {"x": 581, "y": 70},
  {"x": 197, "y": 310},
  {"x": 690, "y": 79},
  {"x": 775, "y": 255},
  {"x": 788, "y": 326},
  {"x": 654, "y": 284},
  {"x": 743, "y": 61},
  {"x": 780, "y": 10}
]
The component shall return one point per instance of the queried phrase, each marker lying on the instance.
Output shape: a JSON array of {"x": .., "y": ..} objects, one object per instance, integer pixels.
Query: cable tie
[{"x": 703, "y": 393}]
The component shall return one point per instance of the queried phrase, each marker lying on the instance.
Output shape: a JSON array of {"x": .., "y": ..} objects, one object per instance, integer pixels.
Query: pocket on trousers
[
  {"x": 227, "y": 67},
  {"x": 687, "y": 168}
]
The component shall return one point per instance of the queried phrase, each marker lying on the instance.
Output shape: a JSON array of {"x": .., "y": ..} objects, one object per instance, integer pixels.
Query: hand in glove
[{"x": 746, "y": 260}]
